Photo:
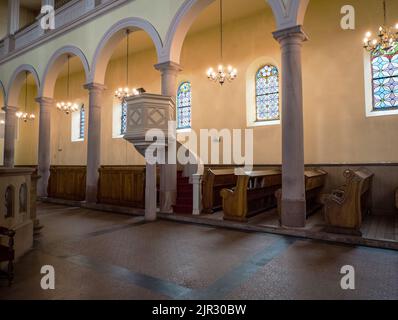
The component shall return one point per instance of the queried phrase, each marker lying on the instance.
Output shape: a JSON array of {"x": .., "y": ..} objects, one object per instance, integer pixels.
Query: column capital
[
  {"x": 93, "y": 86},
  {"x": 10, "y": 109},
  {"x": 44, "y": 101},
  {"x": 168, "y": 66},
  {"x": 296, "y": 32}
]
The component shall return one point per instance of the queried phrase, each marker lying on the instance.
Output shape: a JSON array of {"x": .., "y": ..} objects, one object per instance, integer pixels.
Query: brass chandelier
[
  {"x": 387, "y": 37},
  {"x": 68, "y": 107},
  {"x": 25, "y": 116},
  {"x": 222, "y": 75},
  {"x": 123, "y": 93}
]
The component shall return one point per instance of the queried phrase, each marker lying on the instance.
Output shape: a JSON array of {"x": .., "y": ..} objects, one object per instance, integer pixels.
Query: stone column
[
  {"x": 46, "y": 104},
  {"x": 197, "y": 194},
  {"x": 150, "y": 192},
  {"x": 93, "y": 140},
  {"x": 293, "y": 183},
  {"x": 13, "y": 16},
  {"x": 168, "y": 172},
  {"x": 10, "y": 128}
]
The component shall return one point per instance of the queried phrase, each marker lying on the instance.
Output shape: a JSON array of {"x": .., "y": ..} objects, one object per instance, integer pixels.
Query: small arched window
[
  {"x": 267, "y": 93},
  {"x": 385, "y": 79},
  {"x": 23, "y": 198},
  {"x": 184, "y": 96},
  {"x": 9, "y": 202}
]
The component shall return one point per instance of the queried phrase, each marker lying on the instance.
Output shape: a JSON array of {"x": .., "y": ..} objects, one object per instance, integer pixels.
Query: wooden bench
[
  {"x": 253, "y": 194},
  {"x": 346, "y": 206},
  {"x": 214, "y": 180},
  {"x": 315, "y": 180},
  {"x": 7, "y": 254}
]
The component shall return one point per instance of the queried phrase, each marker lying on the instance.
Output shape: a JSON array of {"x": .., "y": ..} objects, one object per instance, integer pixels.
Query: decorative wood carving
[{"x": 347, "y": 205}]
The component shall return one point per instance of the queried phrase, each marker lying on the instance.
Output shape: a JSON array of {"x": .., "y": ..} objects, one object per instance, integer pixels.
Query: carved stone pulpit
[{"x": 144, "y": 113}]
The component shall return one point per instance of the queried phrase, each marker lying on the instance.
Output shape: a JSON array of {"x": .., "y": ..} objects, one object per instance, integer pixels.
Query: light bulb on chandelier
[
  {"x": 222, "y": 74},
  {"x": 387, "y": 37},
  {"x": 25, "y": 116},
  {"x": 67, "y": 106},
  {"x": 126, "y": 92}
]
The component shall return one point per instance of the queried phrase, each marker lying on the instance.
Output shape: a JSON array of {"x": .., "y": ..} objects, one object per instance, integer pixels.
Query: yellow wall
[
  {"x": 26, "y": 145},
  {"x": 336, "y": 128}
]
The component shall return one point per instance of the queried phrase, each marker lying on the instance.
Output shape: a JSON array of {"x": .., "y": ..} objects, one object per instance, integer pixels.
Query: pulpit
[{"x": 148, "y": 118}]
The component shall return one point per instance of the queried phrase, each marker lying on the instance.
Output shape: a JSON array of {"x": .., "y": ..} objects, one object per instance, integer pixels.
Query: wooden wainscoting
[
  {"x": 122, "y": 186},
  {"x": 67, "y": 182}
]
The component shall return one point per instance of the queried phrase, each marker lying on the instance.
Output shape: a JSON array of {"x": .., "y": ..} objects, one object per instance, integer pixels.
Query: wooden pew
[
  {"x": 315, "y": 180},
  {"x": 214, "y": 180},
  {"x": 122, "y": 186},
  {"x": 253, "y": 194},
  {"x": 346, "y": 206},
  {"x": 67, "y": 182}
]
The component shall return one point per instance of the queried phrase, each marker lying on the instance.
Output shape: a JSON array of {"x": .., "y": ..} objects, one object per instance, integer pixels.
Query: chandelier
[
  {"x": 67, "y": 106},
  {"x": 25, "y": 116},
  {"x": 387, "y": 37},
  {"x": 222, "y": 74},
  {"x": 123, "y": 93}
]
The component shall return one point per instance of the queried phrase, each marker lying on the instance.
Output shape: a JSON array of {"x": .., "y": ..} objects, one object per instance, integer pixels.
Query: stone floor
[{"x": 98, "y": 255}]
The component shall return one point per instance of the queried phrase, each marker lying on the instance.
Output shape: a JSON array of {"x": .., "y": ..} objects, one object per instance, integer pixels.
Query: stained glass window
[
  {"x": 184, "y": 106},
  {"x": 123, "y": 118},
  {"x": 267, "y": 93},
  {"x": 82, "y": 122},
  {"x": 385, "y": 79}
]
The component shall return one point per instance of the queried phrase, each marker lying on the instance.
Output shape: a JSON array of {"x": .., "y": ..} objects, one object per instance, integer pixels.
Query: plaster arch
[
  {"x": 112, "y": 37},
  {"x": 16, "y": 81},
  {"x": 2, "y": 93},
  {"x": 54, "y": 67},
  {"x": 287, "y": 13}
]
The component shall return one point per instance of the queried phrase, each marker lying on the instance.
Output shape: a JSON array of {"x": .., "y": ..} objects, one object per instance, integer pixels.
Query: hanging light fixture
[
  {"x": 222, "y": 75},
  {"x": 67, "y": 107},
  {"x": 25, "y": 116},
  {"x": 387, "y": 37},
  {"x": 123, "y": 93}
]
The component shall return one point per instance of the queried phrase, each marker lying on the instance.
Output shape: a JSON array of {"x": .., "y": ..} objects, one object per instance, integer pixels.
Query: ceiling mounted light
[
  {"x": 25, "y": 116},
  {"x": 67, "y": 107},
  {"x": 387, "y": 37},
  {"x": 222, "y": 74},
  {"x": 123, "y": 93}
]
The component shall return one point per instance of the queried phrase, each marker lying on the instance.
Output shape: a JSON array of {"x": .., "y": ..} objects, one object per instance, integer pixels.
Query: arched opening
[
  {"x": 23, "y": 89},
  {"x": 63, "y": 81},
  {"x": 247, "y": 36},
  {"x": 113, "y": 68},
  {"x": 69, "y": 129}
]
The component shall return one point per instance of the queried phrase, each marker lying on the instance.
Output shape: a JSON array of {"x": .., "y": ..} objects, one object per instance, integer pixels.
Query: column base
[
  {"x": 91, "y": 194},
  {"x": 293, "y": 213},
  {"x": 167, "y": 200}
]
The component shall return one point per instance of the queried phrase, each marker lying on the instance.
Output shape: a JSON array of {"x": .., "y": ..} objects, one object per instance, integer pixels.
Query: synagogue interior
[{"x": 305, "y": 90}]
